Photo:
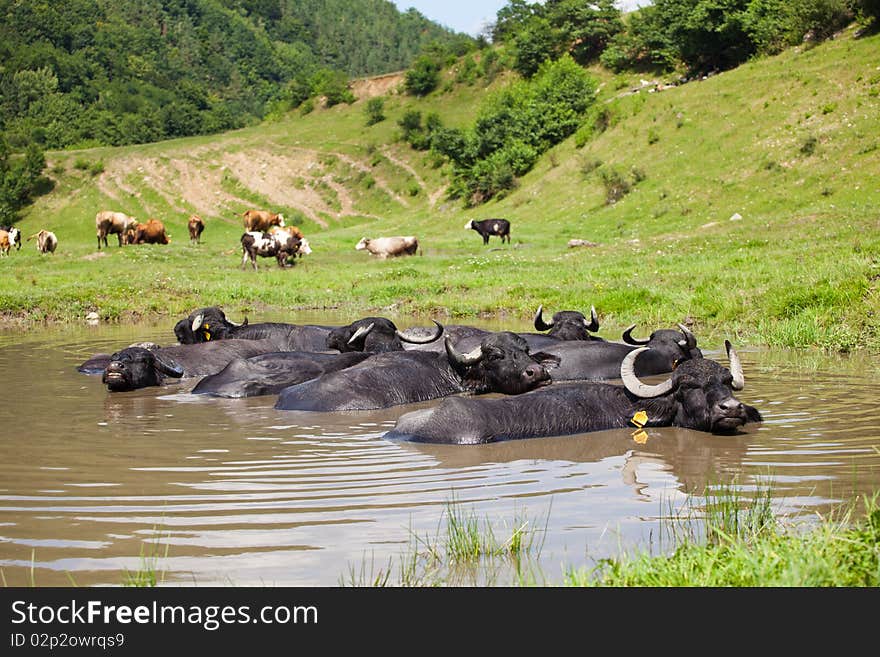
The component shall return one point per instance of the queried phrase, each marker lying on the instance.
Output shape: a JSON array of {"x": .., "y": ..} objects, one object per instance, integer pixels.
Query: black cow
[
  {"x": 489, "y": 227},
  {"x": 698, "y": 395},
  {"x": 376, "y": 334},
  {"x": 139, "y": 367},
  {"x": 211, "y": 324},
  {"x": 501, "y": 363},
  {"x": 568, "y": 324},
  {"x": 269, "y": 374},
  {"x": 600, "y": 359}
]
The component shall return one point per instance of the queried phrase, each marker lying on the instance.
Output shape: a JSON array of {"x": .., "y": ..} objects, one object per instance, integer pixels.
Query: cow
[
  {"x": 568, "y": 324},
  {"x": 280, "y": 246},
  {"x": 500, "y": 363},
  {"x": 47, "y": 242},
  {"x": 196, "y": 226},
  {"x": 269, "y": 374},
  {"x": 4, "y": 243},
  {"x": 152, "y": 232},
  {"x": 488, "y": 227},
  {"x": 137, "y": 367},
  {"x": 210, "y": 324},
  {"x": 293, "y": 231},
  {"x": 375, "y": 334},
  {"x": 14, "y": 236},
  {"x": 261, "y": 220},
  {"x": 389, "y": 247},
  {"x": 600, "y": 359},
  {"x": 108, "y": 222},
  {"x": 698, "y": 395}
]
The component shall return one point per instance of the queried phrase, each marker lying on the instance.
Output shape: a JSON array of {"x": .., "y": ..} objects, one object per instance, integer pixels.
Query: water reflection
[{"x": 234, "y": 492}]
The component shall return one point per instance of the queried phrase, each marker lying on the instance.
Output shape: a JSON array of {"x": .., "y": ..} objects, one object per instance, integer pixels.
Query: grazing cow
[
  {"x": 139, "y": 367},
  {"x": 568, "y": 324},
  {"x": 600, "y": 359},
  {"x": 207, "y": 324},
  {"x": 152, "y": 232},
  {"x": 389, "y": 247},
  {"x": 261, "y": 220},
  {"x": 698, "y": 395},
  {"x": 488, "y": 227},
  {"x": 196, "y": 226},
  {"x": 375, "y": 334},
  {"x": 47, "y": 242},
  {"x": 14, "y": 236},
  {"x": 281, "y": 246},
  {"x": 269, "y": 374},
  {"x": 108, "y": 222},
  {"x": 501, "y": 363},
  {"x": 4, "y": 242}
]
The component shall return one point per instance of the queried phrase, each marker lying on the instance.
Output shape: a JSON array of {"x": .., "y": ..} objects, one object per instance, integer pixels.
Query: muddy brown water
[{"x": 234, "y": 492}]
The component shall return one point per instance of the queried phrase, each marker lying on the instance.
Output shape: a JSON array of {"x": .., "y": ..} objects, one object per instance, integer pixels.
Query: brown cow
[
  {"x": 4, "y": 243},
  {"x": 196, "y": 225},
  {"x": 107, "y": 222},
  {"x": 261, "y": 220},
  {"x": 152, "y": 232},
  {"x": 46, "y": 241}
]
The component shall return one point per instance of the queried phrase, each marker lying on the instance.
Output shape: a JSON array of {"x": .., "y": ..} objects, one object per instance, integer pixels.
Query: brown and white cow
[
  {"x": 108, "y": 222},
  {"x": 5, "y": 244},
  {"x": 281, "y": 246},
  {"x": 261, "y": 220},
  {"x": 195, "y": 225},
  {"x": 389, "y": 247}
]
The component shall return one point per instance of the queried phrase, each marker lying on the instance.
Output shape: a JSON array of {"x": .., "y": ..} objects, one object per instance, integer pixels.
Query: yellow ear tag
[
  {"x": 207, "y": 336},
  {"x": 640, "y": 436},
  {"x": 640, "y": 419}
]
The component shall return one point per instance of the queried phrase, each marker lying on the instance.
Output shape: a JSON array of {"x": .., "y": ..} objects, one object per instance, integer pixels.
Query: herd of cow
[{"x": 555, "y": 381}]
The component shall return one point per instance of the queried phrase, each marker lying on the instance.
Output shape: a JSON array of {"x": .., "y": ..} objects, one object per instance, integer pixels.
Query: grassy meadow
[{"x": 753, "y": 214}]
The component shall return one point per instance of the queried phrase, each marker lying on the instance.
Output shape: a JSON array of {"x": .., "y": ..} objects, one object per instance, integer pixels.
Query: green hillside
[{"x": 753, "y": 212}]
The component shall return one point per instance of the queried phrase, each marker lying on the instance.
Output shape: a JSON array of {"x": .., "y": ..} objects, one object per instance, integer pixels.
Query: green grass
[{"x": 799, "y": 268}]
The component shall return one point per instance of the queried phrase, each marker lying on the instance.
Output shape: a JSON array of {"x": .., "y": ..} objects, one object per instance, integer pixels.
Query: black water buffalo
[
  {"x": 269, "y": 374},
  {"x": 698, "y": 395},
  {"x": 489, "y": 227},
  {"x": 501, "y": 363},
  {"x": 376, "y": 334},
  {"x": 139, "y": 367},
  {"x": 211, "y": 324},
  {"x": 598, "y": 360},
  {"x": 568, "y": 324}
]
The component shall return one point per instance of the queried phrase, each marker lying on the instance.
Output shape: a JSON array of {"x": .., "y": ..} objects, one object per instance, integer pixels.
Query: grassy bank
[{"x": 752, "y": 214}]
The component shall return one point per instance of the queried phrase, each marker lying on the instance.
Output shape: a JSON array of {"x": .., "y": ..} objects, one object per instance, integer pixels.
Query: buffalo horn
[
  {"x": 470, "y": 358},
  {"x": 430, "y": 338},
  {"x": 540, "y": 324},
  {"x": 736, "y": 368},
  {"x": 361, "y": 332},
  {"x": 689, "y": 341},
  {"x": 632, "y": 383},
  {"x": 167, "y": 367},
  {"x": 593, "y": 326},
  {"x": 244, "y": 323},
  {"x": 629, "y": 339},
  {"x": 197, "y": 322}
]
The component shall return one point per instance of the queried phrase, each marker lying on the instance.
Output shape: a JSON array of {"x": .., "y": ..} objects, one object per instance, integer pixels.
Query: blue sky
[{"x": 470, "y": 15}]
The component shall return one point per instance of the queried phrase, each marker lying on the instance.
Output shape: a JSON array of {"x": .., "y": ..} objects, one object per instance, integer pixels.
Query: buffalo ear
[
  {"x": 167, "y": 366},
  {"x": 547, "y": 360}
]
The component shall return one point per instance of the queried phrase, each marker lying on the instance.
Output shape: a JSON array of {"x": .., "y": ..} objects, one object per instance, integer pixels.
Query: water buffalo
[
  {"x": 600, "y": 359},
  {"x": 501, "y": 363},
  {"x": 568, "y": 324},
  {"x": 698, "y": 395},
  {"x": 375, "y": 334},
  {"x": 269, "y": 374},
  {"x": 489, "y": 227}
]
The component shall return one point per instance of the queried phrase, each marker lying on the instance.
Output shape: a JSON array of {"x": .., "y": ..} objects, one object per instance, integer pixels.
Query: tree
[{"x": 423, "y": 77}]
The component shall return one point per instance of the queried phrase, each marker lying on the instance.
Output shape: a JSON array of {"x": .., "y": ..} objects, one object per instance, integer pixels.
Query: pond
[{"x": 236, "y": 493}]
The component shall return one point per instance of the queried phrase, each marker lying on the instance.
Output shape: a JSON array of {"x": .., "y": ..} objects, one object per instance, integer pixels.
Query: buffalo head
[
  {"x": 676, "y": 346},
  {"x": 568, "y": 324},
  {"x": 699, "y": 393},
  {"x": 501, "y": 363},
  {"x": 375, "y": 334},
  {"x": 204, "y": 325},
  {"x": 136, "y": 367}
]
